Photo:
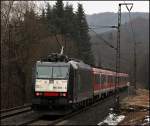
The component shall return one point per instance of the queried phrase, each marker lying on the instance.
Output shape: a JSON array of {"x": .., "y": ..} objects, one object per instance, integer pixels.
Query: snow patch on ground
[
  {"x": 112, "y": 119},
  {"x": 146, "y": 121}
]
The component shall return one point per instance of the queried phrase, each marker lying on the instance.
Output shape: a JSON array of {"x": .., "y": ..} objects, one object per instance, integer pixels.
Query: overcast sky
[{"x": 91, "y": 7}]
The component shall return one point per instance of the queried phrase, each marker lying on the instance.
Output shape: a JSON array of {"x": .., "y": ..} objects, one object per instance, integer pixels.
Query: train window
[
  {"x": 44, "y": 72},
  {"x": 120, "y": 79},
  {"x": 103, "y": 79},
  {"x": 123, "y": 79},
  {"x": 97, "y": 79},
  {"x": 52, "y": 72},
  {"x": 60, "y": 72}
]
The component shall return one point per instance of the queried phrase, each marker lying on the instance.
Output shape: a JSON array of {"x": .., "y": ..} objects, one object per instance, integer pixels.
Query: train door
[
  {"x": 78, "y": 86},
  {"x": 103, "y": 82},
  {"x": 106, "y": 81},
  {"x": 100, "y": 84}
]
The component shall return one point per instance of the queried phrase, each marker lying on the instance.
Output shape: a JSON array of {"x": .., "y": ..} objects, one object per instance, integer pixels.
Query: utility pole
[
  {"x": 117, "y": 80},
  {"x": 118, "y": 50},
  {"x": 117, "y": 61}
]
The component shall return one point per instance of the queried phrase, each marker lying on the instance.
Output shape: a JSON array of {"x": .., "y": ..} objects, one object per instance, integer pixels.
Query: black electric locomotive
[{"x": 60, "y": 81}]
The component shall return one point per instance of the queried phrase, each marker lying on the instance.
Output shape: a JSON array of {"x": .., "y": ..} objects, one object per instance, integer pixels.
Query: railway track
[
  {"x": 26, "y": 117},
  {"x": 15, "y": 111},
  {"x": 16, "y": 115},
  {"x": 50, "y": 120},
  {"x": 41, "y": 118},
  {"x": 21, "y": 118}
]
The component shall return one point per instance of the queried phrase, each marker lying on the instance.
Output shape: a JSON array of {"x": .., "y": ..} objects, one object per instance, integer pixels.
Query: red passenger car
[{"x": 104, "y": 81}]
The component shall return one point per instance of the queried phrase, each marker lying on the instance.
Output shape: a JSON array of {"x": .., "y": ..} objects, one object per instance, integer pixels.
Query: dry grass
[
  {"x": 134, "y": 118},
  {"x": 139, "y": 102}
]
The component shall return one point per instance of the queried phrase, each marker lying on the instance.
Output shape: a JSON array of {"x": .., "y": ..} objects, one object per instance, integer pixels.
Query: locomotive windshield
[
  {"x": 44, "y": 72},
  {"x": 60, "y": 72},
  {"x": 52, "y": 72}
]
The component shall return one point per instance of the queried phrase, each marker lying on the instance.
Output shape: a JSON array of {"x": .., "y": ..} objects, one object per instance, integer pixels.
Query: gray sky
[{"x": 91, "y": 7}]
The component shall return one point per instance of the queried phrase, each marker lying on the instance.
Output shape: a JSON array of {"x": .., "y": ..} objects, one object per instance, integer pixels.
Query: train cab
[{"x": 51, "y": 82}]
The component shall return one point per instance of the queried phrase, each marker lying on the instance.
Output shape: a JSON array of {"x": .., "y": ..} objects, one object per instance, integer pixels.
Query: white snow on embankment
[{"x": 112, "y": 119}]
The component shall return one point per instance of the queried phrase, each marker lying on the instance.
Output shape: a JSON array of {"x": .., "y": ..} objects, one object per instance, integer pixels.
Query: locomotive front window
[
  {"x": 44, "y": 72},
  {"x": 60, "y": 72},
  {"x": 52, "y": 72}
]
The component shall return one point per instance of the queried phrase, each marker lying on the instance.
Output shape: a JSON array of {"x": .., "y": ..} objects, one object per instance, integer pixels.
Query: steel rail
[
  {"x": 36, "y": 118},
  {"x": 17, "y": 107},
  {"x": 15, "y": 111},
  {"x": 81, "y": 110},
  {"x": 68, "y": 115}
]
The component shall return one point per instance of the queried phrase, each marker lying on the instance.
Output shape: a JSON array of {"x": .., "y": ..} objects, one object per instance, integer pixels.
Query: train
[{"x": 62, "y": 81}]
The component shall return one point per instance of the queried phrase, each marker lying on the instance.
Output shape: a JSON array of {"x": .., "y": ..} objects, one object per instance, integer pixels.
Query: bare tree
[{"x": 6, "y": 7}]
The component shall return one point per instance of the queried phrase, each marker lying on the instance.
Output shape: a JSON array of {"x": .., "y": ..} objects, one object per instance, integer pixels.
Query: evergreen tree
[
  {"x": 43, "y": 14},
  {"x": 48, "y": 11},
  {"x": 69, "y": 21},
  {"x": 62, "y": 20},
  {"x": 49, "y": 18},
  {"x": 58, "y": 16},
  {"x": 59, "y": 8},
  {"x": 83, "y": 38}
]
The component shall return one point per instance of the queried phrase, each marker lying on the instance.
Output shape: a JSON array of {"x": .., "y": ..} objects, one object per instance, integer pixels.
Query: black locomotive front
[{"x": 51, "y": 85}]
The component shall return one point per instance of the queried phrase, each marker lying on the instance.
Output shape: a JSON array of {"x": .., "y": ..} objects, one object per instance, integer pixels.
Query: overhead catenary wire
[
  {"x": 101, "y": 26},
  {"x": 106, "y": 42}
]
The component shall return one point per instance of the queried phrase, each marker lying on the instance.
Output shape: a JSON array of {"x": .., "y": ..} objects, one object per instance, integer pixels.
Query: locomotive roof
[
  {"x": 73, "y": 63},
  {"x": 52, "y": 63},
  {"x": 81, "y": 64},
  {"x": 108, "y": 72}
]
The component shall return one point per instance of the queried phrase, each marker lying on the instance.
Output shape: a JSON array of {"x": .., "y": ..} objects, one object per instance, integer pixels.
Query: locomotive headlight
[
  {"x": 63, "y": 94},
  {"x": 37, "y": 93}
]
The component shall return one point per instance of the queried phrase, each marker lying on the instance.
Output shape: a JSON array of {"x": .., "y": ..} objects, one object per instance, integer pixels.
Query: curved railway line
[
  {"x": 25, "y": 115},
  {"x": 57, "y": 121},
  {"x": 54, "y": 120}
]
